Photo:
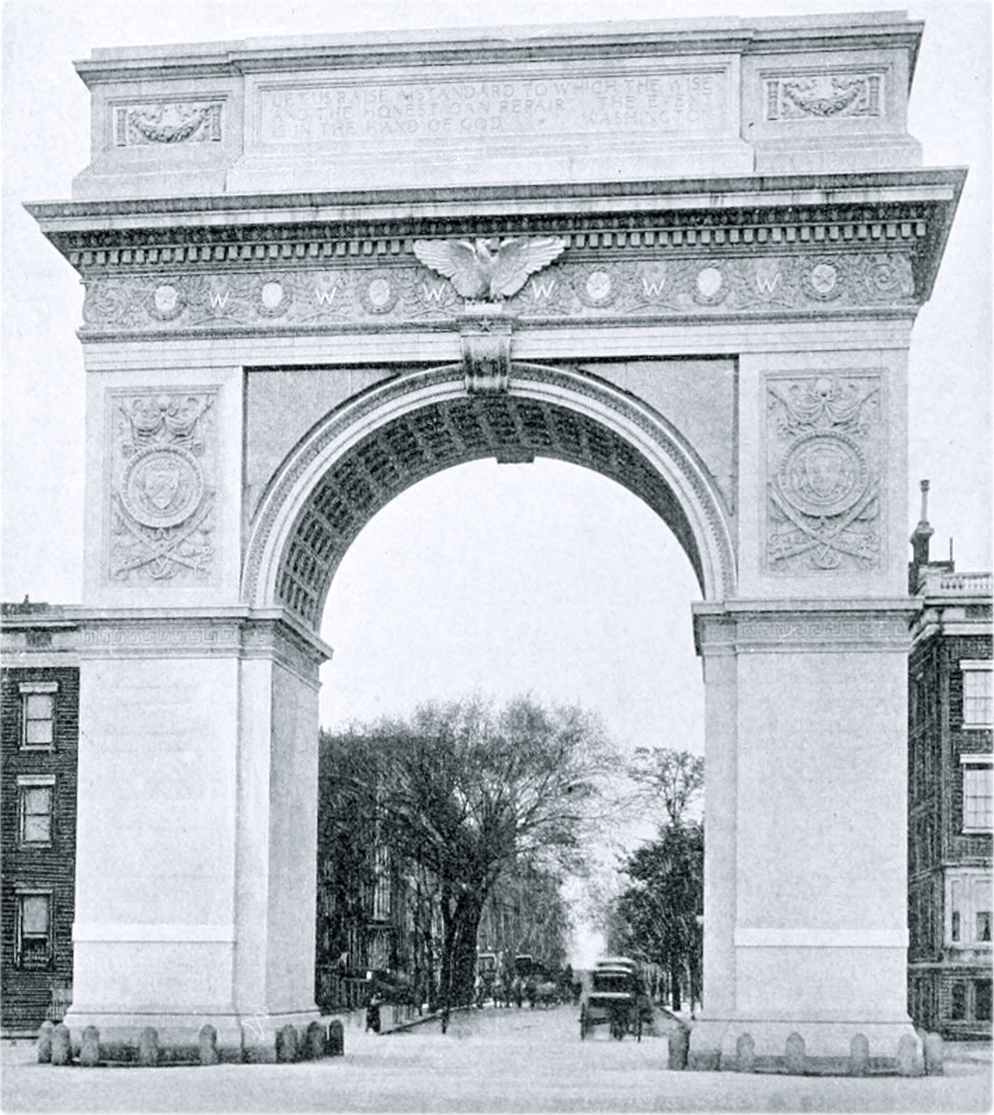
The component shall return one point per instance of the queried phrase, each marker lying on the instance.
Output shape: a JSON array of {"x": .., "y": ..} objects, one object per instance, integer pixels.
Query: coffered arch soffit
[{"x": 359, "y": 457}]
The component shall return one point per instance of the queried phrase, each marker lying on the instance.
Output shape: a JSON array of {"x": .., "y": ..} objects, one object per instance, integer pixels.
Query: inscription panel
[{"x": 685, "y": 101}]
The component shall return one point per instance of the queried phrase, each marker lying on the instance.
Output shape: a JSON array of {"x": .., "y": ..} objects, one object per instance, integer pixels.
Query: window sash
[
  {"x": 34, "y": 929},
  {"x": 978, "y": 797},
  {"x": 36, "y": 814},
  {"x": 978, "y": 697},
  {"x": 39, "y": 719}
]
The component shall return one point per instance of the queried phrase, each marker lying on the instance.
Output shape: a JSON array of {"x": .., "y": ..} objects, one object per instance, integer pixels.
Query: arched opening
[
  {"x": 548, "y": 580},
  {"x": 377, "y": 445},
  {"x": 357, "y": 459}
]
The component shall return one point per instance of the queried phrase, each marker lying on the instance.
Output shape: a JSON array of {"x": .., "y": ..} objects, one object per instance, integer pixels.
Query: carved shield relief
[
  {"x": 162, "y": 470},
  {"x": 824, "y": 459}
]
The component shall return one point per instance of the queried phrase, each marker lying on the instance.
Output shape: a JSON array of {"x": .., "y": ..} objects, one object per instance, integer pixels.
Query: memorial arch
[{"x": 316, "y": 271}]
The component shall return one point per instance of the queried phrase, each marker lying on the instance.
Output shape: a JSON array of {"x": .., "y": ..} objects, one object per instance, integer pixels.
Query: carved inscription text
[{"x": 692, "y": 102}]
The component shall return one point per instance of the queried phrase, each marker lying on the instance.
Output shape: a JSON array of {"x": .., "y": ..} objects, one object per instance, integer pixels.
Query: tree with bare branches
[{"x": 466, "y": 792}]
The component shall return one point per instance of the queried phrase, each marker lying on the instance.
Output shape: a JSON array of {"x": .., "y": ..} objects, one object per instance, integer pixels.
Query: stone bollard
[
  {"x": 745, "y": 1053},
  {"x": 795, "y": 1055},
  {"x": 679, "y": 1045},
  {"x": 286, "y": 1044},
  {"x": 336, "y": 1039},
  {"x": 148, "y": 1046},
  {"x": 45, "y": 1042},
  {"x": 859, "y": 1055},
  {"x": 315, "y": 1042},
  {"x": 207, "y": 1041},
  {"x": 89, "y": 1049},
  {"x": 935, "y": 1055},
  {"x": 61, "y": 1045},
  {"x": 908, "y": 1062}
]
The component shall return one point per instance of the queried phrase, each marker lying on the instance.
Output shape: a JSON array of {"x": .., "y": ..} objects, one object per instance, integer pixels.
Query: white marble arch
[{"x": 783, "y": 222}]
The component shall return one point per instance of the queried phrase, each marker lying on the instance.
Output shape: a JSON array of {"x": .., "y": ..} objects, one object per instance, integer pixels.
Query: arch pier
[{"x": 317, "y": 271}]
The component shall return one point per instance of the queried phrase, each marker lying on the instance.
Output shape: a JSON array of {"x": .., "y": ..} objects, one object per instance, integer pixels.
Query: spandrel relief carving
[
  {"x": 824, "y": 453},
  {"x": 162, "y": 486}
]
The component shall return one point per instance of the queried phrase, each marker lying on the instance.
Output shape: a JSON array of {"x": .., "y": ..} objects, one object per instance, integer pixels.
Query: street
[{"x": 491, "y": 1060}]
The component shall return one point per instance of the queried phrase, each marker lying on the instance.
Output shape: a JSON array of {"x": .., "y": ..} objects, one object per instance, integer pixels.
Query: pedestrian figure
[{"x": 376, "y": 1000}]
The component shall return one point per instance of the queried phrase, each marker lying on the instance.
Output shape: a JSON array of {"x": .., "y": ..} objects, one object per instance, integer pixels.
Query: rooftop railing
[{"x": 935, "y": 582}]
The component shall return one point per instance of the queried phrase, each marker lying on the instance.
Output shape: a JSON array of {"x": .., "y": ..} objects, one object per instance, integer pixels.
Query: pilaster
[
  {"x": 196, "y": 834},
  {"x": 805, "y": 904}
]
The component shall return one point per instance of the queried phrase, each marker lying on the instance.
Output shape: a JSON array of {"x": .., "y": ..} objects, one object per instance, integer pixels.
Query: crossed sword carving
[
  {"x": 161, "y": 549},
  {"x": 829, "y": 538}
]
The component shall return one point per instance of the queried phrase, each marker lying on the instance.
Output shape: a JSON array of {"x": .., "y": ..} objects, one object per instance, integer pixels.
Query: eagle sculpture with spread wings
[{"x": 489, "y": 268}]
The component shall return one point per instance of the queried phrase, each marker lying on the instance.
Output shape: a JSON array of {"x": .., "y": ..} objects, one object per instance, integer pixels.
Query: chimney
[{"x": 919, "y": 543}]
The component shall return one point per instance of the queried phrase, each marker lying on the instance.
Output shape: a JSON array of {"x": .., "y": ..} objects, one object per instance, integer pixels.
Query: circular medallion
[
  {"x": 598, "y": 286},
  {"x": 167, "y": 302},
  {"x": 272, "y": 298},
  {"x": 104, "y": 302},
  {"x": 823, "y": 281},
  {"x": 271, "y": 295},
  {"x": 379, "y": 295},
  {"x": 824, "y": 278},
  {"x": 710, "y": 282},
  {"x": 823, "y": 474},
  {"x": 163, "y": 486},
  {"x": 884, "y": 277}
]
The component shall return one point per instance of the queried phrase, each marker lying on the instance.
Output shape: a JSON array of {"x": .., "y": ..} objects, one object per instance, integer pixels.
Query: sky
[{"x": 489, "y": 578}]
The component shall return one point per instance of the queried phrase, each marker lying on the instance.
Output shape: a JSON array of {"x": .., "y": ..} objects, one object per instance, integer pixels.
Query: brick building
[
  {"x": 40, "y": 731},
  {"x": 949, "y": 796}
]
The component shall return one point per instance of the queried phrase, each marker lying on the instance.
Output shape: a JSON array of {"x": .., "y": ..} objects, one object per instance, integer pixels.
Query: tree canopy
[{"x": 466, "y": 791}]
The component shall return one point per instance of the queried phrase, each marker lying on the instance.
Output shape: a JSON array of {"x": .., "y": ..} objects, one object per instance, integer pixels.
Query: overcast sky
[{"x": 492, "y": 578}]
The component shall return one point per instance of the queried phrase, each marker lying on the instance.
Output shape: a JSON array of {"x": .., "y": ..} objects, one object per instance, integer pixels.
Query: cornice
[
  {"x": 701, "y": 195},
  {"x": 665, "y": 38},
  {"x": 909, "y": 211}
]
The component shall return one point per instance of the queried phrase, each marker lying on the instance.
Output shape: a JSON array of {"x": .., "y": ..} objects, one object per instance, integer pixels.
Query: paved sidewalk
[{"x": 527, "y": 1062}]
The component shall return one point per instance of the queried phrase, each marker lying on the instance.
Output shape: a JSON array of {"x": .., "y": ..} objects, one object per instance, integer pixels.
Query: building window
[
  {"x": 33, "y": 943},
  {"x": 38, "y": 714},
  {"x": 978, "y": 792},
  {"x": 957, "y": 1011},
  {"x": 978, "y": 696},
  {"x": 35, "y": 796},
  {"x": 983, "y": 925},
  {"x": 955, "y": 925},
  {"x": 982, "y": 1000}
]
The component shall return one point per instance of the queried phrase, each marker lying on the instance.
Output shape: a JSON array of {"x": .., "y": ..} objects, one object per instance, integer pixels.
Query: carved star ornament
[{"x": 489, "y": 269}]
